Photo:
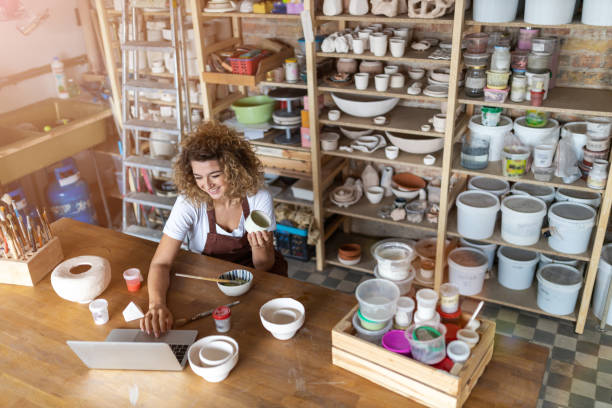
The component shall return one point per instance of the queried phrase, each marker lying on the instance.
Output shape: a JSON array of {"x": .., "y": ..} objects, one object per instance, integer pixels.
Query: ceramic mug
[
  {"x": 391, "y": 152},
  {"x": 397, "y": 47},
  {"x": 375, "y": 194},
  {"x": 365, "y": 37},
  {"x": 439, "y": 122},
  {"x": 333, "y": 114},
  {"x": 358, "y": 45},
  {"x": 361, "y": 80},
  {"x": 378, "y": 44},
  {"x": 257, "y": 221},
  {"x": 381, "y": 82}
]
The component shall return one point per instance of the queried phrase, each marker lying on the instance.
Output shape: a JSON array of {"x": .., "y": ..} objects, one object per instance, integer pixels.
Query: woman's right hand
[{"x": 157, "y": 320}]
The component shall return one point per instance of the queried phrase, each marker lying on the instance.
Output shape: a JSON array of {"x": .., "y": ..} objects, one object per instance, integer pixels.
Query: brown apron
[{"x": 236, "y": 249}]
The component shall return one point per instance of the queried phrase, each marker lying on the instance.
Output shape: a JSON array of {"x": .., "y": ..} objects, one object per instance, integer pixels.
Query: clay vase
[{"x": 369, "y": 177}]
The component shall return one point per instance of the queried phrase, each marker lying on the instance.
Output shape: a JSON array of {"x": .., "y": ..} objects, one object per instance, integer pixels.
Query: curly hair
[{"x": 212, "y": 141}]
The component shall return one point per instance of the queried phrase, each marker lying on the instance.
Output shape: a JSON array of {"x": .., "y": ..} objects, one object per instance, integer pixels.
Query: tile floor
[{"x": 579, "y": 367}]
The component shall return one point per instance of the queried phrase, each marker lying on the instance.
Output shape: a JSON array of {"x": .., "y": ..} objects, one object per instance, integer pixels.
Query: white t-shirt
[{"x": 187, "y": 220}]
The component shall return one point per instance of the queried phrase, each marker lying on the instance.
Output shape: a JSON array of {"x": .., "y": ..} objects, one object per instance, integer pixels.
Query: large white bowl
[
  {"x": 531, "y": 136},
  {"x": 212, "y": 373},
  {"x": 239, "y": 289},
  {"x": 282, "y": 317},
  {"x": 354, "y": 134},
  {"x": 416, "y": 144},
  {"x": 365, "y": 106}
]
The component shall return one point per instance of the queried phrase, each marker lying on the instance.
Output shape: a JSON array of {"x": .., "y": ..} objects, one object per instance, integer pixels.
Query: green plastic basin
[{"x": 254, "y": 109}]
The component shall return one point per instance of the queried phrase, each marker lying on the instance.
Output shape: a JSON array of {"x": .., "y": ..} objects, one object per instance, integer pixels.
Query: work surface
[{"x": 38, "y": 368}]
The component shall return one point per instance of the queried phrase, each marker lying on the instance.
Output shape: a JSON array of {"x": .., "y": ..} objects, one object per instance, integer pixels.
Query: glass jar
[
  {"x": 519, "y": 88},
  {"x": 474, "y": 152},
  {"x": 526, "y": 36},
  {"x": 500, "y": 61},
  {"x": 538, "y": 61},
  {"x": 475, "y": 81},
  {"x": 519, "y": 60},
  {"x": 291, "y": 70},
  {"x": 598, "y": 175}
]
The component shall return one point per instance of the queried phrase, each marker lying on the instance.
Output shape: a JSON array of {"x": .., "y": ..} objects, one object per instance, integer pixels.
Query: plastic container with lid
[
  {"x": 516, "y": 267},
  {"x": 522, "y": 218},
  {"x": 368, "y": 324},
  {"x": 491, "y": 185},
  {"x": 222, "y": 316},
  {"x": 449, "y": 298},
  {"x": 538, "y": 62},
  {"x": 377, "y": 299},
  {"x": 526, "y": 36},
  {"x": 599, "y": 127},
  {"x": 476, "y": 43},
  {"x": 394, "y": 260},
  {"x": 602, "y": 283},
  {"x": 475, "y": 60},
  {"x": 545, "y": 193},
  {"x": 396, "y": 341},
  {"x": 405, "y": 309},
  {"x": 598, "y": 176},
  {"x": 373, "y": 336},
  {"x": 558, "y": 288},
  {"x": 495, "y": 134},
  {"x": 403, "y": 285},
  {"x": 426, "y": 303},
  {"x": 514, "y": 161},
  {"x": 576, "y": 196},
  {"x": 458, "y": 351},
  {"x": 519, "y": 88},
  {"x": 468, "y": 336},
  {"x": 571, "y": 226},
  {"x": 500, "y": 60},
  {"x": 589, "y": 156},
  {"x": 467, "y": 268},
  {"x": 475, "y": 151},
  {"x": 427, "y": 344},
  {"x": 476, "y": 214},
  {"x": 488, "y": 249},
  {"x": 532, "y": 136},
  {"x": 475, "y": 81}
]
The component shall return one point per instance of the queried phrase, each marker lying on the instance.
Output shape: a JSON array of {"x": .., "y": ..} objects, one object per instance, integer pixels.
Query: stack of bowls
[
  {"x": 282, "y": 317},
  {"x": 213, "y": 357}
]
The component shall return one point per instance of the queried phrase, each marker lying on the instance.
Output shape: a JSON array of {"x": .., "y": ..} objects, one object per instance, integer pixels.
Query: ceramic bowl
[
  {"x": 409, "y": 182},
  {"x": 391, "y": 152},
  {"x": 212, "y": 373},
  {"x": 416, "y": 144},
  {"x": 375, "y": 194},
  {"x": 440, "y": 75},
  {"x": 408, "y": 195},
  {"x": 368, "y": 141},
  {"x": 257, "y": 221},
  {"x": 354, "y": 134},
  {"x": 236, "y": 290},
  {"x": 333, "y": 114},
  {"x": 343, "y": 194},
  {"x": 282, "y": 317},
  {"x": 379, "y": 120},
  {"x": 365, "y": 106},
  {"x": 216, "y": 352},
  {"x": 329, "y": 141},
  {"x": 371, "y": 67},
  {"x": 349, "y": 251},
  {"x": 397, "y": 81},
  {"x": 416, "y": 73}
]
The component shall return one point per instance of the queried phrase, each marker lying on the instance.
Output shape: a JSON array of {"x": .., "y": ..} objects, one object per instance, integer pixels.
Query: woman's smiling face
[{"x": 209, "y": 177}]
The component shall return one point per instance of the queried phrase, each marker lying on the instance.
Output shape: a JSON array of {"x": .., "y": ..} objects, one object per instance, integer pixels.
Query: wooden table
[{"x": 38, "y": 369}]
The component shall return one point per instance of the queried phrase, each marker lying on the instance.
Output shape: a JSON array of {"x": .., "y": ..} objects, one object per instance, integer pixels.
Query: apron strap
[{"x": 212, "y": 219}]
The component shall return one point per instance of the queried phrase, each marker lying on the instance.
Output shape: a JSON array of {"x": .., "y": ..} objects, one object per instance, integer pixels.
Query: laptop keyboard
[{"x": 179, "y": 351}]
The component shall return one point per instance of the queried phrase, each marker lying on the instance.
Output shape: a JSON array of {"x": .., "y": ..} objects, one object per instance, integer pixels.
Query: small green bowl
[
  {"x": 370, "y": 324},
  {"x": 254, "y": 109}
]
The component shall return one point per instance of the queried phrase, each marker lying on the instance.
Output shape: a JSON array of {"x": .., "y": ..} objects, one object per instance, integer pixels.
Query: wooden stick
[
  {"x": 183, "y": 275},
  {"x": 184, "y": 321}
]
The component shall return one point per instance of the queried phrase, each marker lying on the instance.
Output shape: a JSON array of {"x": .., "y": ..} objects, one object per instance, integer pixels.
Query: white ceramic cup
[
  {"x": 358, "y": 45},
  {"x": 397, "y": 81},
  {"x": 375, "y": 194},
  {"x": 439, "y": 122},
  {"x": 402, "y": 32},
  {"x": 333, "y": 114},
  {"x": 397, "y": 46},
  {"x": 391, "y": 152},
  {"x": 99, "y": 311},
  {"x": 543, "y": 155},
  {"x": 391, "y": 69},
  {"x": 378, "y": 44},
  {"x": 362, "y": 80},
  {"x": 257, "y": 221},
  {"x": 365, "y": 37},
  {"x": 381, "y": 82}
]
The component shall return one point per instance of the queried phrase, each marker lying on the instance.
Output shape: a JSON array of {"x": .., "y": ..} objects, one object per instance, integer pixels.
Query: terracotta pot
[
  {"x": 347, "y": 65},
  {"x": 371, "y": 67},
  {"x": 409, "y": 181},
  {"x": 349, "y": 251}
]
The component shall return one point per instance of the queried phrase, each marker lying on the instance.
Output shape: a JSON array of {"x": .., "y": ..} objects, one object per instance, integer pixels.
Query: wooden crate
[
  {"x": 287, "y": 159},
  {"x": 405, "y": 376},
  {"x": 34, "y": 268}
]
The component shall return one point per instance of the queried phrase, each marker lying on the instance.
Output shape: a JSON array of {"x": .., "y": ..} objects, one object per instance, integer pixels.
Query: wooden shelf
[
  {"x": 371, "y": 18},
  {"x": 410, "y": 56},
  {"x": 540, "y": 246},
  {"x": 298, "y": 85},
  {"x": 573, "y": 101},
  {"x": 268, "y": 141},
  {"x": 402, "y": 92},
  {"x": 526, "y": 299},
  {"x": 160, "y": 13},
  {"x": 165, "y": 74},
  {"x": 494, "y": 170},
  {"x": 415, "y": 160},
  {"x": 401, "y": 120},
  {"x": 225, "y": 103},
  {"x": 365, "y": 211},
  {"x": 252, "y": 15},
  {"x": 286, "y": 196},
  {"x": 367, "y": 262},
  {"x": 469, "y": 21}
]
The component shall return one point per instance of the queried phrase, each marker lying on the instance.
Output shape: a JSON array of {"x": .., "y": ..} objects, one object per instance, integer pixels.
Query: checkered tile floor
[{"x": 579, "y": 367}]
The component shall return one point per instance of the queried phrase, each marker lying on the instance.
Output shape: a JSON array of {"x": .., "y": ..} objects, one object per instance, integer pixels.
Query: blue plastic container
[{"x": 69, "y": 196}]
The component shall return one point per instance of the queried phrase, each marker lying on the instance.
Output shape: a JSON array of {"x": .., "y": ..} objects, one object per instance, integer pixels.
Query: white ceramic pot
[
  {"x": 549, "y": 12},
  {"x": 378, "y": 44},
  {"x": 397, "y": 47},
  {"x": 358, "y": 46},
  {"x": 381, "y": 82},
  {"x": 597, "y": 12},
  {"x": 361, "y": 80},
  {"x": 332, "y": 7},
  {"x": 495, "y": 11}
]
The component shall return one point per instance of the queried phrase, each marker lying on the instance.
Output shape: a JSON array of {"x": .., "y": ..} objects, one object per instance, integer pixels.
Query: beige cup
[
  {"x": 381, "y": 82},
  {"x": 358, "y": 45},
  {"x": 361, "y": 80},
  {"x": 257, "y": 221},
  {"x": 439, "y": 122}
]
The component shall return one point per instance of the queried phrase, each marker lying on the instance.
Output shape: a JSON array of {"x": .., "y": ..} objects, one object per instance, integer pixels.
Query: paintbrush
[
  {"x": 31, "y": 234},
  {"x": 184, "y": 321},
  {"x": 10, "y": 245},
  {"x": 47, "y": 235},
  {"x": 46, "y": 222},
  {"x": 238, "y": 281}
]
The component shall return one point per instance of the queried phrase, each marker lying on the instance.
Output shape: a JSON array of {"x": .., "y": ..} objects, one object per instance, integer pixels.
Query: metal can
[{"x": 291, "y": 70}]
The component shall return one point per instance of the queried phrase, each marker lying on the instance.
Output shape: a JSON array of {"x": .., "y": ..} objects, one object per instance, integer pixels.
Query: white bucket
[
  {"x": 522, "y": 218},
  {"x": 466, "y": 270},
  {"x": 545, "y": 193},
  {"x": 549, "y": 12},
  {"x": 548, "y": 259},
  {"x": 558, "y": 287},
  {"x": 604, "y": 274},
  {"x": 476, "y": 214},
  {"x": 571, "y": 225},
  {"x": 488, "y": 249},
  {"x": 494, "y": 134},
  {"x": 576, "y": 196},
  {"x": 516, "y": 267},
  {"x": 531, "y": 136},
  {"x": 577, "y": 132},
  {"x": 597, "y": 12},
  {"x": 492, "y": 185},
  {"x": 495, "y": 11}
]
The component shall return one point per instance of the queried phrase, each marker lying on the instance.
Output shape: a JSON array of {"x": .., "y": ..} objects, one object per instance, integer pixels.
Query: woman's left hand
[{"x": 260, "y": 239}]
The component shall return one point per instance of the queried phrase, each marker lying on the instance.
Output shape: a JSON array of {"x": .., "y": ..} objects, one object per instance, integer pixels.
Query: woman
[{"x": 219, "y": 179}]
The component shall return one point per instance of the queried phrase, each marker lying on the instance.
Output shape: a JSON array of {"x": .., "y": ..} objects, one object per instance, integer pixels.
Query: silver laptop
[{"x": 132, "y": 349}]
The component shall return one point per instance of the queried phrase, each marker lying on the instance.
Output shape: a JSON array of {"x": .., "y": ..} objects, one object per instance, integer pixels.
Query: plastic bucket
[
  {"x": 373, "y": 336},
  {"x": 428, "y": 351},
  {"x": 571, "y": 225},
  {"x": 549, "y": 12},
  {"x": 597, "y": 12},
  {"x": 488, "y": 249},
  {"x": 577, "y": 132},
  {"x": 404, "y": 285},
  {"x": 558, "y": 287},
  {"x": 377, "y": 299},
  {"x": 466, "y": 270},
  {"x": 545, "y": 193},
  {"x": 495, "y": 11},
  {"x": 582, "y": 197},
  {"x": 522, "y": 218},
  {"x": 604, "y": 274},
  {"x": 476, "y": 214},
  {"x": 548, "y": 259},
  {"x": 492, "y": 185},
  {"x": 531, "y": 136},
  {"x": 516, "y": 267},
  {"x": 495, "y": 134}
]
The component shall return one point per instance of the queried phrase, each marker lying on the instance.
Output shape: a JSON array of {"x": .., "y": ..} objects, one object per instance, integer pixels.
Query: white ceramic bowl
[
  {"x": 416, "y": 144},
  {"x": 333, "y": 114},
  {"x": 238, "y": 290},
  {"x": 282, "y": 317},
  {"x": 368, "y": 141},
  {"x": 416, "y": 73},
  {"x": 408, "y": 195},
  {"x": 380, "y": 120},
  {"x": 354, "y": 134},
  {"x": 212, "y": 373},
  {"x": 329, "y": 141},
  {"x": 216, "y": 352},
  {"x": 365, "y": 106},
  {"x": 391, "y": 152},
  {"x": 375, "y": 194}
]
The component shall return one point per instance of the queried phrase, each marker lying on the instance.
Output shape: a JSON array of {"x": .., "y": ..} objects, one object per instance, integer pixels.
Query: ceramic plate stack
[
  {"x": 284, "y": 118},
  {"x": 345, "y": 196},
  {"x": 213, "y": 357}
]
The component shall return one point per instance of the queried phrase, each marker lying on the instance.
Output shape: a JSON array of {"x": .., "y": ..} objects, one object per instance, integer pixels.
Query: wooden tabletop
[{"x": 38, "y": 368}]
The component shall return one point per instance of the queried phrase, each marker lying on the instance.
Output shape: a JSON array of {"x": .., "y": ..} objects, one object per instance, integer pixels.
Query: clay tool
[
  {"x": 44, "y": 228},
  {"x": 480, "y": 305},
  {"x": 184, "y": 321},
  {"x": 236, "y": 281},
  {"x": 39, "y": 236},
  {"x": 22, "y": 230},
  {"x": 31, "y": 234},
  {"x": 46, "y": 222}
]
